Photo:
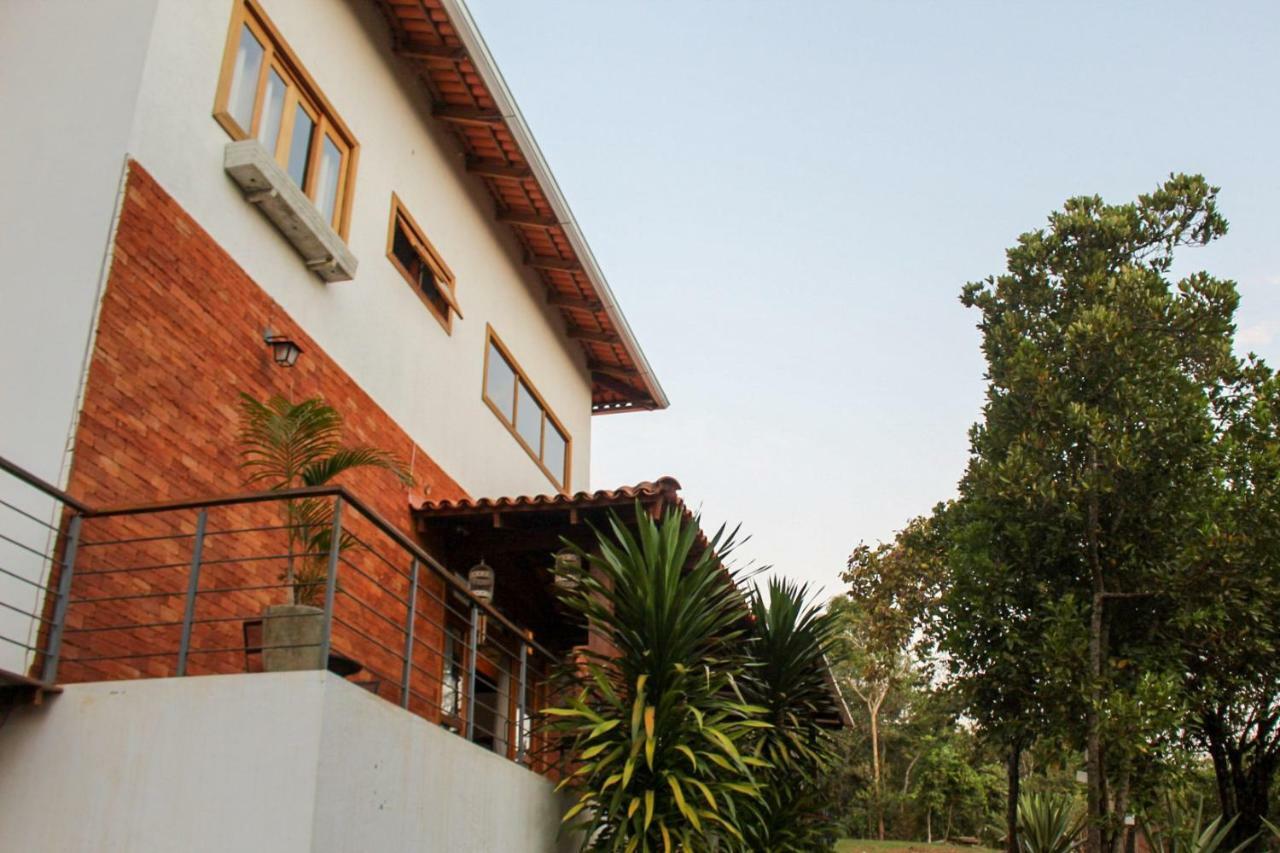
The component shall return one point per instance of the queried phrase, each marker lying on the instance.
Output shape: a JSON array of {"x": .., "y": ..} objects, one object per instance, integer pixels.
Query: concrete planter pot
[{"x": 299, "y": 629}]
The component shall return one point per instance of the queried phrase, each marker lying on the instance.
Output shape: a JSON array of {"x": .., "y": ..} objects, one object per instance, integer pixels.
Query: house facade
[{"x": 304, "y": 198}]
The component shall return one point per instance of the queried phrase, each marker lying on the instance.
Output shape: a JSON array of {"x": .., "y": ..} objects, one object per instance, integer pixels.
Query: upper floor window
[
  {"x": 421, "y": 265},
  {"x": 265, "y": 93},
  {"x": 518, "y": 405}
]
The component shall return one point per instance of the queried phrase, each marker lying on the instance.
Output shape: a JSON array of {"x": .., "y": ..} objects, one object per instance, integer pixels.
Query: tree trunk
[
  {"x": 1245, "y": 772},
  {"x": 928, "y": 825},
  {"x": 1221, "y": 769},
  {"x": 1116, "y": 841},
  {"x": 1011, "y": 802},
  {"x": 874, "y": 709},
  {"x": 1096, "y": 792}
]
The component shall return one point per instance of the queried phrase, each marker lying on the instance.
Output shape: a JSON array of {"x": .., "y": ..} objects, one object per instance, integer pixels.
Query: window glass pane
[
  {"x": 300, "y": 146},
  {"x": 553, "y": 452},
  {"x": 529, "y": 418},
  {"x": 500, "y": 384},
  {"x": 327, "y": 178},
  {"x": 272, "y": 111},
  {"x": 404, "y": 251},
  {"x": 244, "y": 79}
]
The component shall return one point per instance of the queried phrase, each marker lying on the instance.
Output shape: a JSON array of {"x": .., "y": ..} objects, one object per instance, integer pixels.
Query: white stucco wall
[
  {"x": 282, "y": 762},
  {"x": 374, "y": 326},
  {"x": 69, "y": 78}
]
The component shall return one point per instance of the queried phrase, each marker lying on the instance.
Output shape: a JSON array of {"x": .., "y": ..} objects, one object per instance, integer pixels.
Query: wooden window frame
[
  {"x": 491, "y": 340},
  {"x": 299, "y": 88},
  {"x": 446, "y": 284}
]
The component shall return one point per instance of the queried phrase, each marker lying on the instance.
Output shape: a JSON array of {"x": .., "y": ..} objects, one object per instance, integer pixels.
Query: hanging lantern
[
  {"x": 480, "y": 580},
  {"x": 567, "y": 560},
  {"x": 567, "y": 566}
]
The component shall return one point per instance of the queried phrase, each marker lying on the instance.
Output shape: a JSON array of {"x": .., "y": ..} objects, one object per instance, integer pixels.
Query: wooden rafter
[
  {"x": 539, "y": 262},
  {"x": 466, "y": 115},
  {"x": 432, "y": 51},
  {"x": 487, "y": 168},
  {"x": 536, "y": 220},
  {"x": 564, "y": 300},
  {"x": 601, "y": 337},
  {"x": 617, "y": 386},
  {"x": 610, "y": 370}
]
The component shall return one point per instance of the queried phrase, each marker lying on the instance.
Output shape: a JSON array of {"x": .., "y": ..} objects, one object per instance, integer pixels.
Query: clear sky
[{"x": 788, "y": 197}]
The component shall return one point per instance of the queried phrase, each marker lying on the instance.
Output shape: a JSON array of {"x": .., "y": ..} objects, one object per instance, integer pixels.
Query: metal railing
[{"x": 270, "y": 581}]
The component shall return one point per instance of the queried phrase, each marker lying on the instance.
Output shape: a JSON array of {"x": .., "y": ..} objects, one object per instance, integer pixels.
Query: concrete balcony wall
[{"x": 286, "y": 762}]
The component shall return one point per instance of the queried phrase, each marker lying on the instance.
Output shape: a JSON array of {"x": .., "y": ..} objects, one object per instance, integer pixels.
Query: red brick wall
[{"x": 180, "y": 335}]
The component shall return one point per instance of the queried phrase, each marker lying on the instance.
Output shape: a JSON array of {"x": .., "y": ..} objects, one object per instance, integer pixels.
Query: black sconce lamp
[{"x": 284, "y": 351}]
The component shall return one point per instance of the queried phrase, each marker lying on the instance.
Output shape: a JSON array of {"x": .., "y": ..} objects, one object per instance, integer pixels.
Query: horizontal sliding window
[
  {"x": 265, "y": 93},
  {"x": 519, "y": 406},
  {"x": 418, "y": 261}
]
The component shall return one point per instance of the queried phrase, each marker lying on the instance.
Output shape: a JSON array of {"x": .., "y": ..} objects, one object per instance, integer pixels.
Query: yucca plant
[
  {"x": 286, "y": 445},
  {"x": 657, "y": 732},
  {"x": 1177, "y": 829},
  {"x": 787, "y": 644},
  {"x": 1047, "y": 823}
]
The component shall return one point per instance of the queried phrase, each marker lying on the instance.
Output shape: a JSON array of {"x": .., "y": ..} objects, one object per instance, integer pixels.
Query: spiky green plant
[
  {"x": 286, "y": 445},
  {"x": 657, "y": 732},
  {"x": 788, "y": 643},
  {"x": 1176, "y": 828},
  {"x": 1047, "y": 823}
]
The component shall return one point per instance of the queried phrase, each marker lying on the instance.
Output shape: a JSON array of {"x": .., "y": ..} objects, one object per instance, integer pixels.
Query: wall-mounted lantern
[{"x": 284, "y": 351}]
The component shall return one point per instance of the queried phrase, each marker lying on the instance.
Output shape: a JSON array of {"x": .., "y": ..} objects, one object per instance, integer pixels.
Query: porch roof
[{"x": 519, "y": 534}]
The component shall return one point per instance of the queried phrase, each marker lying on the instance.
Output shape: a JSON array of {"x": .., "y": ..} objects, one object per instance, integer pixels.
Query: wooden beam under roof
[
  {"x": 489, "y": 168},
  {"x": 539, "y": 262},
  {"x": 602, "y": 337},
  {"x": 617, "y": 386},
  {"x": 466, "y": 115},
  {"x": 564, "y": 300},
  {"x": 537, "y": 220},
  {"x": 432, "y": 51},
  {"x": 610, "y": 370}
]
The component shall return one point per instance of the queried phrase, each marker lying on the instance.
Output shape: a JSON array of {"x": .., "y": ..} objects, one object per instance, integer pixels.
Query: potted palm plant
[{"x": 287, "y": 445}]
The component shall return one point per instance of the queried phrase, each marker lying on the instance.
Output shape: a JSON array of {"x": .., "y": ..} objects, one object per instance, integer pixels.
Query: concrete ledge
[
  {"x": 269, "y": 187},
  {"x": 293, "y": 762}
]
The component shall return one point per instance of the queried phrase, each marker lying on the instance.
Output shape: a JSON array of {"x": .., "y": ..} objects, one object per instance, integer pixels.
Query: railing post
[
  {"x": 193, "y": 584},
  {"x": 407, "y": 672},
  {"x": 471, "y": 674},
  {"x": 521, "y": 710},
  {"x": 50, "y": 675},
  {"x": 331, "y": 581}
]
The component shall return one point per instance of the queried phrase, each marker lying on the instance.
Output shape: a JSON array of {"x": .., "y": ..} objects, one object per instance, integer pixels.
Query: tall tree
[
  {"x": 890, "y": 589},
  {"x": 991, "y": 627},
  {"x": 1096, "y": 439},
  {"x": 1229, "y": 622}
]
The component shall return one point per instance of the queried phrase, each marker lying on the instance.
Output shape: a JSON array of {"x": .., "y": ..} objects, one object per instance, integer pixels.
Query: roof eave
[{"x": 469, "y": 34}]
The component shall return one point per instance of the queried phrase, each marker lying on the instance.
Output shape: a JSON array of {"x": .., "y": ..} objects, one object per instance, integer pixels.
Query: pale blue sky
[{"x": 788, "y": 197}]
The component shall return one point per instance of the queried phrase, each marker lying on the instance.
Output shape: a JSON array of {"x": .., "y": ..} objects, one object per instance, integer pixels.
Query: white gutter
[{"x": 469, "y": 34}]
